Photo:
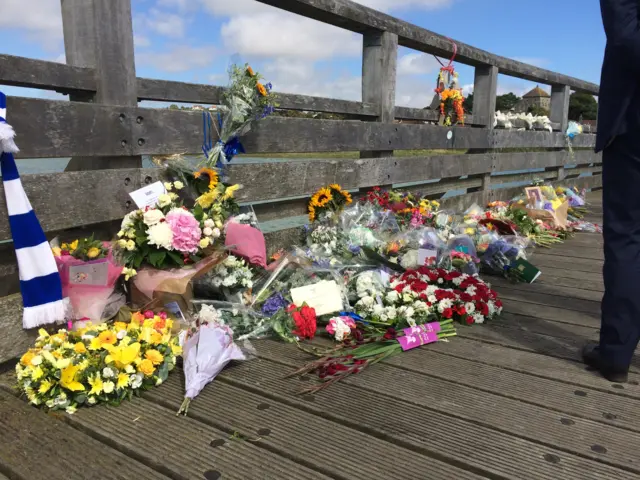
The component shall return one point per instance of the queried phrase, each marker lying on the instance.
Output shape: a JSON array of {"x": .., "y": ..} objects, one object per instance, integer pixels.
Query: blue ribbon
[{"x": 230, "y": 148}]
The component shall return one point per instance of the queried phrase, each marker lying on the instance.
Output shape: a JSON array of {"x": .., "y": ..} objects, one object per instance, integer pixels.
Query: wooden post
[
  {"x": 379, "y": 60},
  {"x": 99, "y": 34},
  {"x": 485, "y": 87},
  {"x": 560, "y": 96}
]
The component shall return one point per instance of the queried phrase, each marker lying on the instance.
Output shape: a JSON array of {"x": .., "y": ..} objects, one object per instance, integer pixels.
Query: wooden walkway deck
[{"x": 509, "y": 400}]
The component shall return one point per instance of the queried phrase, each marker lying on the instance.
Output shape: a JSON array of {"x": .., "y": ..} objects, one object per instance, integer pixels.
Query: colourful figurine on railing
[{"x": 449, "y": 98}]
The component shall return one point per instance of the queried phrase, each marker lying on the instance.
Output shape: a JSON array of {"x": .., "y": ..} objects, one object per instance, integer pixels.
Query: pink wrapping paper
[
  {"x": 416, "y": 340},
  {"x": 247, "y": 242},
  {"x": 88, "y": 301}
]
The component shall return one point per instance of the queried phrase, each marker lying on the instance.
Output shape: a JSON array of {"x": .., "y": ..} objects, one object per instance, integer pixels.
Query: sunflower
[
  {"x": 212, "y": 174},
  {"x": 312, "y": 214},
  {"x": 261, "y": 89},
  {"x": 250, "y": 71},
  {"x": 347, "y": 196},
  {"x": 321, "y": 197}
]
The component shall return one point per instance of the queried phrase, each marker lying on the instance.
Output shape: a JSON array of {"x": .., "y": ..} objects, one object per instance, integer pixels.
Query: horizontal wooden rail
[
  {"x": 96, "y": 196},
  {"x": 27, "y": 72},
  {"x": 358, "y": 18},
  {"x": 48, "y": 128}
]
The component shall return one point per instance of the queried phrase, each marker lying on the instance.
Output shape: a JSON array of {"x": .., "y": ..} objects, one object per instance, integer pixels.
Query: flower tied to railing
[
  {"x": 449, "y": 97},
  {"x": 245, "y": 101}
]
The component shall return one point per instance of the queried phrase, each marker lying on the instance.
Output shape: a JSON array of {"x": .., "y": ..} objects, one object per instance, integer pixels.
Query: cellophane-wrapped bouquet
[{"x": 245, "y": 101}]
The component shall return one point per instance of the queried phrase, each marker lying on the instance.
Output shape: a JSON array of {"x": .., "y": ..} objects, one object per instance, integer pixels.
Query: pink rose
[{"x": 186, "y": 230}]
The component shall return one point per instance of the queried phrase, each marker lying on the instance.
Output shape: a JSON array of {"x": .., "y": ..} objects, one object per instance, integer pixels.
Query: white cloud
[
  {"x": 180, "y": 58},
  {"x": 167, "y": 24},
  {"x": 141, "y": 41},
  {"x": 417, "y": 64},
  {"x": 42, "y": 19},
  {"x": 291, "y": 37}
]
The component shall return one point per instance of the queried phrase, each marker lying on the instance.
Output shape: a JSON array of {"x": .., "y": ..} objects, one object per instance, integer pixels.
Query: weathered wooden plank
[
  {"x": 543, "y": 258},
  {"x": 296, "y": 435},
  {"x": 358, "y": 18},
  {"x": 495, "y": 454},
  {"x": 556, "y": 314},
  {"x": 535, "y": 325},
  {"x": 484, "y": 94},
  {"x": 379, "y": 61},
  {"x": 525, "y": 421},
  {"x": 35, "y": 446},
  {"x": 58, "y": 129},
  {"x": 560, "y": 95},
  {"x": 84, "y": 200},
  {"x": 518, "y": 384},
  {"x": 47, "y": 128},
  {"x": 14, "y": 340},
  {"x": 555, "y": 290},
  {"x": 577, "y": 251},
  {"x": 498, "y": 180},
  {"x": 99, "y": 34},
  {"x": 194, "y": 447},
  {"x": 582, "y": 280},
  {"x": 28, "y": 72},
  {"x": 559, "y": 393},
  {"x": 576, "y": 304},
  {"x": 542, "y": 139},
  {"x": 172, "y": 91}
]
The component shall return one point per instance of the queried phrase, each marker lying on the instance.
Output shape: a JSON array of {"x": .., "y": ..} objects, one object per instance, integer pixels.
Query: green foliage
[
  {"x": 582, "y": 104},
  {"x": 507, "y": 102},
  {"x": 468, "y": 104},
  {"x": 538, "y": 111}
]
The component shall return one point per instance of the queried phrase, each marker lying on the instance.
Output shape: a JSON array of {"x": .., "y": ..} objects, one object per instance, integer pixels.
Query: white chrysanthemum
[
  {"x": 478, "y": 318},
  {"x": 107, "y": 372},
  {"x": 431, "y": 289},
  {"x": 444, "y": 304},
  {"x": 410, "y": 259},
  {"x": 391, "y": 312},
  {"x": 392, "y": 296},
  {"x": 367, "y": 301},
  {"x": 160, "y": 235},
  {"x": 432, "y": 299},
  {"x": 470, "y": 307},
  {"x": 378, "y": 309},
  {"x": 420, "y": 306}
]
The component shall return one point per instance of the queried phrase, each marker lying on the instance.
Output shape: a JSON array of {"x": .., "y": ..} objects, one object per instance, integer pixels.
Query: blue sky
[{"x": 193, "y": 40}]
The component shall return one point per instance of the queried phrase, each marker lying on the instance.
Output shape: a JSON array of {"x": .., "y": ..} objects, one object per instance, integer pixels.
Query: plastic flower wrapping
[
  {"x": 208, "y": 347},
  {"x": 89, "y": 272},
  {"x": 245, "y": 101},
  {"x": 105, "y": 363}
]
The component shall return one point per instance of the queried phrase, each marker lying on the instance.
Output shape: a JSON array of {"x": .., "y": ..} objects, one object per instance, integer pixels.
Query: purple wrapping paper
[
  {"x": 417, "y": 340},
  {"x": 426, "y": 328}
]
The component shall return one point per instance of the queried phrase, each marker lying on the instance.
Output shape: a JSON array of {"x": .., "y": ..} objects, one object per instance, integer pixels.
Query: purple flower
[{"x": 274, "y": 304}]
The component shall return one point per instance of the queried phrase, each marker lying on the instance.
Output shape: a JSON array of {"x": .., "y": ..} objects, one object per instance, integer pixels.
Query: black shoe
[{"x": 591, "y": 356}]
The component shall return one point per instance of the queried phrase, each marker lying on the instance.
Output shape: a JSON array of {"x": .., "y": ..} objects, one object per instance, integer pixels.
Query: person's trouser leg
[{"x": 620, "y": 328}]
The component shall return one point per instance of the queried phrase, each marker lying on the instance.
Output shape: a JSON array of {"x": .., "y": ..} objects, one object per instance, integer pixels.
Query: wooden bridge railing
[{"x": 106, "y": 132}]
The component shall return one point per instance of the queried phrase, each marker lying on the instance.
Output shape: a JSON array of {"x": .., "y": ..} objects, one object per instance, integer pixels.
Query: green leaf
[
  {"x": 176, "y": 258},
  {"x": 157, "y": 258}
]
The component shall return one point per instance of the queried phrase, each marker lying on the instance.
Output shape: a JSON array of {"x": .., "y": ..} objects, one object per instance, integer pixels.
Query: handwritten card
[
  {"x": 148, "y": 196},
  {"x": 427, "y": 256},
  {"x": 325, "y": 297},
  {"x": 95, "y": 274}
]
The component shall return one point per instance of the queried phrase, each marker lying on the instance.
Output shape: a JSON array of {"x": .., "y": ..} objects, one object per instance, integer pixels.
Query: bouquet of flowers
[
  {"x": 358, "y": 351},
  {"x": 245, "y": 101},
  {"x": 328, "y": 202},
  {"x": 208, "y": 347},
  {"x": 451, "y": 97},
  {"x": 89, "y": 273},
  {"x": 228, "y": 277},
  {"x": 98, "y": 364},
  {"x": 423, "y": 295}
]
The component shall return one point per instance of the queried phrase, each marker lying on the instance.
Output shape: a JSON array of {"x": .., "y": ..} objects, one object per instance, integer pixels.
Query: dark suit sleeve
[{"x": 622, "y": 27}]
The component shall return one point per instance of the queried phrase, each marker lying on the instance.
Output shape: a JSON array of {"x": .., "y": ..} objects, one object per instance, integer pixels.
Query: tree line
[{"x": 582, "y": 106}]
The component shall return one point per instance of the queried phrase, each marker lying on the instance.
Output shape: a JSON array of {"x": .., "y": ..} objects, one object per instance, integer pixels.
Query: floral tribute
[
  {"x": 165, "y": 236},
  {"x": 246, "y": 100},
  {"x": 450, "y": 94},
  {"x": 327, "y": 202},
  {"x": 98, "y": 363},
  {"x": 82, "y": 249},
  {"x": 425, "y": 295}
]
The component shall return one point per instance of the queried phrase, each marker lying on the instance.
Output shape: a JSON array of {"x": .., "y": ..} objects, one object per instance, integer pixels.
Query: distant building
[{"x": 535, "y": 98}]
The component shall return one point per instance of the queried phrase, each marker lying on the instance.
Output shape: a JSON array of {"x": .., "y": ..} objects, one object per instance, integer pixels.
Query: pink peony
[{"x": 186, "y": 230}]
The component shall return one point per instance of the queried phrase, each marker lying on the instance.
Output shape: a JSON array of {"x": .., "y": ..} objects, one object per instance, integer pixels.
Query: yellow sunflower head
[
  {"x": 312, "y": 214},
  {"x": 321, "y": 197},
  {"x": 210, "y": 173}
]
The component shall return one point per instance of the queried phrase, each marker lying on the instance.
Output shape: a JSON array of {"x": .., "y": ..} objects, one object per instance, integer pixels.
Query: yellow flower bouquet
[
  {"x": 98, "y": 364},
  {"x": 328, "y": 202}
]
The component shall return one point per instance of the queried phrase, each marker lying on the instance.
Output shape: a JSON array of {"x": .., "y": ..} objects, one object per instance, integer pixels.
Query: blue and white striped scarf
[{"x": 39, "y": 278}]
